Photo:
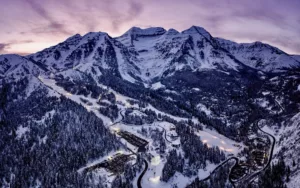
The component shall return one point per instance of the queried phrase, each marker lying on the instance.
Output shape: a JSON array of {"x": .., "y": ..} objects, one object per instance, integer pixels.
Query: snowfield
[
  {"x": 21, "y": 131},
  {"x": 212, "y": 138},
  {"x": 157, "y": 85}
]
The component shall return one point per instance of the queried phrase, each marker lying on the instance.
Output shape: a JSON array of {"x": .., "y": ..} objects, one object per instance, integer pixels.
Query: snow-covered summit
[
  {"x": 136, "y": 31},
  {"x": 87, "y": 53},
  {"x": 172, "y": 32},
  {"x": 164, "y": 53},
  {"x": 197, "y": 30}
]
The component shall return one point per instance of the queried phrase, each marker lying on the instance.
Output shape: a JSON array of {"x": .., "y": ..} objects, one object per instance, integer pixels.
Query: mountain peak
[
  {"x": 94, "y": 34},
  {"x": 261, "y": 45},
  {"x": 197, "y": 30},
  {"x": 136, "y": 31},
  {"x": 172, "y": 32}
]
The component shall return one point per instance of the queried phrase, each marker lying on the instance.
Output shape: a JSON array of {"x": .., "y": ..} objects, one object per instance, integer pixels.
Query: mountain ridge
[
  {"x": 58, "y": 57},
  {"x": 259, "y": 55}
]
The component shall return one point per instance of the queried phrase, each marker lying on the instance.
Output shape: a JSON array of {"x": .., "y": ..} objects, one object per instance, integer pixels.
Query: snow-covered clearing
[
  {"x": 21, "y": 131},
  {"x": 157, "y": 85},
  {"x": 266, "y": 93},
  {"x": 204, "y": 109},
  {"x": 262, "y": 102},
  {"x": 76, "y": 98},
  {"x": 212, "y": 138},
  {"x": 171, "y": 116}
]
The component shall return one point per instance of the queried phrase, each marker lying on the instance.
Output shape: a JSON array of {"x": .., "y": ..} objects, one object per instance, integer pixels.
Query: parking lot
[
  {"x": 114, "y": 164},
  {"x": 133, "y": 139}
]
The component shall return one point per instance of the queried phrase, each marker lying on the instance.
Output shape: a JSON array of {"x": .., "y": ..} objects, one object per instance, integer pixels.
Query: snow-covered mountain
[
  {"x": 89, "y": 53},
  {"x": 144, "y": 55},
  {"x": 161, "y": 53},
  {"x": 259, "y": 55},
  {"x": 16, "y": 67}
]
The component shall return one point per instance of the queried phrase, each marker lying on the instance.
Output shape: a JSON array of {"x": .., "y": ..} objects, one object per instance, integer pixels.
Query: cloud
[
  {"x": 53, "y": 26},
  {"x": 285, "y": 42},
  {"x": 4, "y": 47},
  {"x": 87, "y": 15},
  {"x": 21, "y": 41},
  {"x": 135, "y": 9}
]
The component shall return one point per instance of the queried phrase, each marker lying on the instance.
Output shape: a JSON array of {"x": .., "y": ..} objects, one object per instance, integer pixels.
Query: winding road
[
  {"x": 139, "y": 181},
  {"x": 219, "y": 166},
  {"x": 245, "y": 180},
  {"x": 165, "y": 133},
  {"x": 272, "y": 147},
  {"x": 122, "y": 117},
  {"x": 248, "y": 179}
]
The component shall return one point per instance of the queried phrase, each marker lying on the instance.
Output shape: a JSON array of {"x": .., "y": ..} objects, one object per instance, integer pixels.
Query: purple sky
[{"x": 31, "y": 25}]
